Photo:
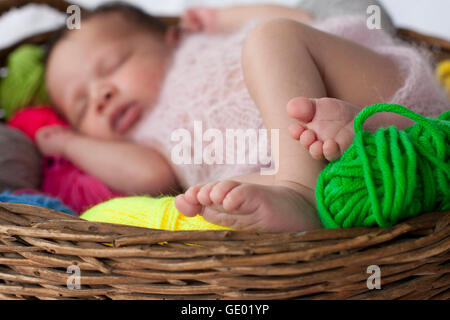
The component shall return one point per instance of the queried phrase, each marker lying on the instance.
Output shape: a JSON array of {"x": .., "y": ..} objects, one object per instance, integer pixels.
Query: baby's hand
[
  {"x": 199, "y": 20},
  {"x": 53, "y": 140}
]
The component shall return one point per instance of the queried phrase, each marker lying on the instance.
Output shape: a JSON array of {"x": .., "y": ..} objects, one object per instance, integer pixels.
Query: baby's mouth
[{"x": 125, "y": 117}]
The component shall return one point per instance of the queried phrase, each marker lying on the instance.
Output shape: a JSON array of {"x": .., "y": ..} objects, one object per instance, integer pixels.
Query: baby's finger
[
  {"x": 190, "y": 21},
  {"x": 49, "y": 130},
  {"x": 43, "y": 133}
]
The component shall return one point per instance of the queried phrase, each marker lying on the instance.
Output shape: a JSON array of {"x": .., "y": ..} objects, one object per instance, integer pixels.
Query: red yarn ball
[{"x": 31, "y": 119}]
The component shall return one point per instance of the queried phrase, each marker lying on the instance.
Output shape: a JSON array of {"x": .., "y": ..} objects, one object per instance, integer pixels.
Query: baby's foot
[
  {"x": 253, "y": 207},
  {"x": 328, "y": 125}
]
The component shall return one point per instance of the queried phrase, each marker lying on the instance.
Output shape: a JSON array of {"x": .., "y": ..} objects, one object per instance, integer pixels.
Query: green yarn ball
[
  {"x": 24, "y": 84},
  {"x": 388, "y": 176}
]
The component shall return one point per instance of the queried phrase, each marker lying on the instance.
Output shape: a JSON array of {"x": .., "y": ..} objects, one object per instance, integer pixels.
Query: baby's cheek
[{"x": 145, "y": 84}]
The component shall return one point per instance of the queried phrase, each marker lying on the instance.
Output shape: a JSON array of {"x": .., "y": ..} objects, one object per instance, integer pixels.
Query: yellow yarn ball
[
  {"x": 146, "y": 212},
  {"x": 443, "y": 74}
]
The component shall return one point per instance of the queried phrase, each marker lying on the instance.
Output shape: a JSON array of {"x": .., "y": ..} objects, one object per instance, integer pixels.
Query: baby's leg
[{"x": 283, "y": 59}]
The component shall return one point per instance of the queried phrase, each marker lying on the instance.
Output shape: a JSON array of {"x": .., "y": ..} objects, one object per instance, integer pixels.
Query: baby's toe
[
  {"x": 345, "y": 138},
  {"x": 307, "y": 138},
  {"x": 220, "y": 218},
  {"x": 191, "y": 194},
  {"x": 203, "y": 195},
  {"x": 316, "y": 150},
  {"x": 235, "y": 198},
  {"x": 220, "y": 190},
  {"x": 331, "y": 150},
  {"x": 301, "y": 109},
  {"x": 185, "y": 207},
  {"x": 296, "y": 130}
]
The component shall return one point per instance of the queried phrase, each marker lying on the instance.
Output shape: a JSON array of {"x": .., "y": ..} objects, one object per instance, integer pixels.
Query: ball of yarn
[
  {"x": 31, "y": 119},
  {"x": 388, "y": 176},
  {"x": 443, "y": 74},
  {"x": 24, "y": 84},
  {"x": 146, "y": 212},
  {"x": 37, "y": 200},
  {"x": 78, "y": 190},
  {"x": 20, "y": 162},
  {"x": 61, "y": 178}
]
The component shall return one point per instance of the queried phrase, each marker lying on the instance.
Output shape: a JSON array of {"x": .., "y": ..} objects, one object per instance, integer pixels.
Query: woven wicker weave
[{"x": 119, "y": 262}]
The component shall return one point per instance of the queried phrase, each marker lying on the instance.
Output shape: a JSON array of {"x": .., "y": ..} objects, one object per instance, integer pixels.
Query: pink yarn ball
[
  {"x": 72, "y": 186},
  {"x": 60, "y": 178}
]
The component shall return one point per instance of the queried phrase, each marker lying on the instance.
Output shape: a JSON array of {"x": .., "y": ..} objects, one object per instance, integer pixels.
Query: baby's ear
[{"x": 173, "y": 35}]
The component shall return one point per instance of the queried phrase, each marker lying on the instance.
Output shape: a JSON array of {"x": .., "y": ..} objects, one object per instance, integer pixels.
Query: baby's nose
[{"x": 105, "y": 97}]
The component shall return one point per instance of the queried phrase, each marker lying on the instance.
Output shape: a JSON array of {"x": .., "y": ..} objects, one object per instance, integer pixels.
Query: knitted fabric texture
[
  {"x": 421, "y": 91},
  {"x": 24, "y": 84},
  {"x": 37, "y": 200},
  {"x": 388, "y": 176},
  {"x": 324, "y": 9},
  {"x": 205, "y": 83},
  {"x": 60, "y": 177},
  {"x": 20, "y": 161},
  {"x": 146, "y": 212}
]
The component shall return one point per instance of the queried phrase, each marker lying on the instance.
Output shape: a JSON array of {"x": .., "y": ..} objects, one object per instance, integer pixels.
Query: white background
[{"x": 427, "y": 16}]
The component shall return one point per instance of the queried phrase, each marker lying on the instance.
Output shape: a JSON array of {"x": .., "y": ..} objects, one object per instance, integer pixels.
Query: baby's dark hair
[{"x": 131, "y": 13}]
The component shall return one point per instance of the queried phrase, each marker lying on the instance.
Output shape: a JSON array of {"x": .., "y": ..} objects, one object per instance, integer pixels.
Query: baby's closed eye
[{"x": 112, "y": 63}]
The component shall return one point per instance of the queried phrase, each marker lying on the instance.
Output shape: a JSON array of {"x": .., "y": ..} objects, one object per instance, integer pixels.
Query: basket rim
[
  {"x": 432, "y": 42},
  {"x": 36, "y": 243},
  {"x": 108, "y": 228},
  {"x": 36, "y": 246}
]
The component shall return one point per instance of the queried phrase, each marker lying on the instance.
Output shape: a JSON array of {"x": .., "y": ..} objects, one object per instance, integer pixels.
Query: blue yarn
[{"x": 36, "y": 200}]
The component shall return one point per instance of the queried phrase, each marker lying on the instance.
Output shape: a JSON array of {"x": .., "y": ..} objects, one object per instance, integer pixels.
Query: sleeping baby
[{"x": 126, "y": 83}]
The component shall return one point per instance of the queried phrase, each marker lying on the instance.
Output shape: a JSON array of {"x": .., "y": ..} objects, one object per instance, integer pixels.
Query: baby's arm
[
  {"x": 123, "y": 166},
  {"x": 232, "y": 18}
]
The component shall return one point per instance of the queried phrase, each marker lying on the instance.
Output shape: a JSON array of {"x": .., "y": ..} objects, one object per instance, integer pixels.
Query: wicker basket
[{"x": 118, "y": 262}]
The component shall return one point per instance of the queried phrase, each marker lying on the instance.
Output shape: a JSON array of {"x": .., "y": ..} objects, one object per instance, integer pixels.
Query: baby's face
[{"x": 103, "y": 77}]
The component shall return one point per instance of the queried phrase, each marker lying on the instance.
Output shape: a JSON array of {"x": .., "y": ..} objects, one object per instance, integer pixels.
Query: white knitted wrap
[{"x": 205, "y": 83}]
